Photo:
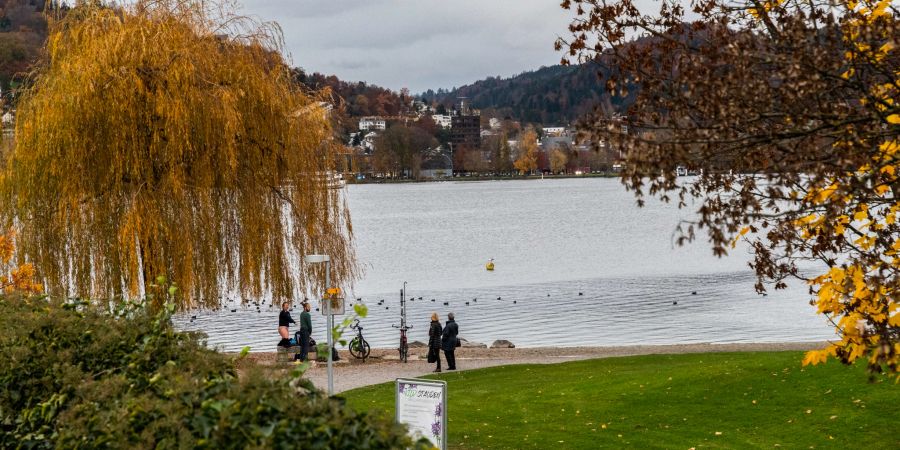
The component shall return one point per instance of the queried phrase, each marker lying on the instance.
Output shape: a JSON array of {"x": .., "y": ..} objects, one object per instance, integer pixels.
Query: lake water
[{"x": 577, "y": 263}]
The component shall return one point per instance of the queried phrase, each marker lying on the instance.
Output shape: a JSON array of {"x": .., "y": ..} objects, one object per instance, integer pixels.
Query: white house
[
  {"x": 494, "y": 123},
  {"x": 554, "y": 131},
  {"x": 8, "y": 118},
  {"x": 371, "y": 123},
  {"x": 442, "y": 120},
  {"x": 368, "y": 142}
]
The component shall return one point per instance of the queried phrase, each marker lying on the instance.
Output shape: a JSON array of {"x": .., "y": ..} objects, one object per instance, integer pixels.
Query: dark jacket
[
  {"x": 284, "y": 319},
  {"x": 305, "y": 321},
  {"x": 448, "y": 338},
  {"x": 434, "y": 336}
]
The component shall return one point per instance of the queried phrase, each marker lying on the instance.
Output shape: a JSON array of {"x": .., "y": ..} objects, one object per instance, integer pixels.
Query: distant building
[
  {"x": 495, "y": 123},
  {"x": 466, "y": 131},
  {"x": 419, "y": 106},
  {"x": 8, "y": 118},
  {"x": 371, "y": 123},
  {"x": 442, "y": 120},
  {"x": 554, "y": 131},
  {"x": 367, "y": 142},
  {"x": 549, "y": 143}
]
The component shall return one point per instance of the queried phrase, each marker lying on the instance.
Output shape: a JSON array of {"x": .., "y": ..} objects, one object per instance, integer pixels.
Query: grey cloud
[
  {"x": 417, "y": 44},
  {"x": 355, "y": 64}
]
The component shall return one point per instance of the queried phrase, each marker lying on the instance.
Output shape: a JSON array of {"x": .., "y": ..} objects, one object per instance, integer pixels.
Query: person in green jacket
[{"x": 305, "y": 332}]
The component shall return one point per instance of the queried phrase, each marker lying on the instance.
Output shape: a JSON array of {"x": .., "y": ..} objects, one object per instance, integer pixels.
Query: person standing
[
  {"x": 449, "y": 341},
  {"x": 305, "y": 332},
  {"x": 284, "y": 321},
  {"x": 434, "y": 341}
]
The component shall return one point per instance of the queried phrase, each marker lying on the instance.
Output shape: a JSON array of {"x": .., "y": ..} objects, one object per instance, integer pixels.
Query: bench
[{"x": 286, "y": 354}]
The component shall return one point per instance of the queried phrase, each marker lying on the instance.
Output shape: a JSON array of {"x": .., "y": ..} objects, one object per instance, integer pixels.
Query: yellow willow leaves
[
  {"x": 15, "y": 279},
  {"x": 167, "y": 139}
]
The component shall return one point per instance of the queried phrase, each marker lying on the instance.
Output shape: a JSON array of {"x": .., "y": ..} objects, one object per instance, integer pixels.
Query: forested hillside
[
  {"x": 359, "y": 98},
  {"x": 549, "y": 95},
  {"x": 23, "y": 30}
]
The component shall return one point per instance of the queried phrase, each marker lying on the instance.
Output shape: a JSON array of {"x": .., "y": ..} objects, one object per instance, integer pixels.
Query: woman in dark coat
[{"x": 434, "y": 341}]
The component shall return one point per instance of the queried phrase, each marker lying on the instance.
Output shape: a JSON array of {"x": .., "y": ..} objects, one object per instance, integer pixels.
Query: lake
[{"x": 577, "y": 263}]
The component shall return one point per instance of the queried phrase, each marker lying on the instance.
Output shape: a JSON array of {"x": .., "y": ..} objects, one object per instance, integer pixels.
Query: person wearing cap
[
  {"x": 305, "y": 332},
  {"x": 450, "y": 340}
]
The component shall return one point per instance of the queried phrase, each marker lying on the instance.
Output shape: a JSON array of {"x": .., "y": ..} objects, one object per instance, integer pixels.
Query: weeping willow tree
[{"x": 166, "y": 138}]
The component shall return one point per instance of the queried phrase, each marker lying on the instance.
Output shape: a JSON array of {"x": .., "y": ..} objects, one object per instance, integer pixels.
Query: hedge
[{"x": 73, "y": 375}]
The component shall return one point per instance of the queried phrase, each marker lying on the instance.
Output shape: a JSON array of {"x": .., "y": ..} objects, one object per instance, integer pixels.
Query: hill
[
  {"x": 23, "y": 30},
  {"x": 359, "y": 98},
  {"x": 550, "y": 95}
]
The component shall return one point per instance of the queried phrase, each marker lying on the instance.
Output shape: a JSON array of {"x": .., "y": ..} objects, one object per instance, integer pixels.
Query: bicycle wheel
[
  {"x": 359, "y": 349},
  {"x": 365, "y": 349}
]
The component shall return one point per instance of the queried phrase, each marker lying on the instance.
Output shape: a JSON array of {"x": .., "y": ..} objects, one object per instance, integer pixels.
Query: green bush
[{"x": 74, "y": 376}]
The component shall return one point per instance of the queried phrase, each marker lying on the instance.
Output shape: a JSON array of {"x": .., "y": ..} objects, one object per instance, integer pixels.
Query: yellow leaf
[
  {"x": 889, "y": 147},
  {"x": 894, "y": 321},
  {"x": 862, "y": 212},
  {"x": 815, "y": 357},
  {"x": 894, "y": 119}
]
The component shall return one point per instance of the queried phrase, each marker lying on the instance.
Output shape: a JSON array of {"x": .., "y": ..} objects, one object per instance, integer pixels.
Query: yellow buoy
[{"x": 489, "y": 265}]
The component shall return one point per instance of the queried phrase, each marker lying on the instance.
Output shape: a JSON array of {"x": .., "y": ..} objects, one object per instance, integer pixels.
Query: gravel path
[{"x": 384, "y": 366}]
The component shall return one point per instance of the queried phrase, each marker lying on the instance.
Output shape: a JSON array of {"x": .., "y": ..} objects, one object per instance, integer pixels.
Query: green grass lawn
[{"x": 712, "y": 400}]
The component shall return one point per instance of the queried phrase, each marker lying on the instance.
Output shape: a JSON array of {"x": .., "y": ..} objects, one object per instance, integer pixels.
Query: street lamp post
[
  {"x": 316, "y": 259},
  {"x": 450, "y": 144}
]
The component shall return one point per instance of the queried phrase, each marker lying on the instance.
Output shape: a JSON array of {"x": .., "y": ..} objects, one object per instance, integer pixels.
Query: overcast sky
[{"x": 418, "y": 44}]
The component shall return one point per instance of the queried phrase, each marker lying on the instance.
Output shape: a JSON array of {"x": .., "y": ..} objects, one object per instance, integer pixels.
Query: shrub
[{"x": 73, "y": 375}]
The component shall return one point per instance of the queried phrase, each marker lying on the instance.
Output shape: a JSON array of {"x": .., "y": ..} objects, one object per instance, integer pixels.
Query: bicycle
[
  {"x": 359, "y": 348},
  {"x": 404, "y": 345}
]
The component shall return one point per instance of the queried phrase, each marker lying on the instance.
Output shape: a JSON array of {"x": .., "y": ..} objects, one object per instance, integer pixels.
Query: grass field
[{"x": 713, "y": 400}]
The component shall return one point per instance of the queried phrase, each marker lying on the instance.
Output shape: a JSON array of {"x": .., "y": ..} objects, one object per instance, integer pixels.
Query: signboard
[
  {"x": 422, "y": 406},
  {"x": 337, "y": 306},
  {"x": 337, "y": 302}
]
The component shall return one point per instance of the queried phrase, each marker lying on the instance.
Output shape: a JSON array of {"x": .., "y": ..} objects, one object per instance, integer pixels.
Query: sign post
[
  {"x": 317, "y": 259},
  {"x": 422, "y": 406}
]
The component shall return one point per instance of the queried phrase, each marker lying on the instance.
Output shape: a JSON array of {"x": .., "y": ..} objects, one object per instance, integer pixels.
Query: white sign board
[
  {"x": 337, "y": 306},
  {"x": 422, "y": 406}
]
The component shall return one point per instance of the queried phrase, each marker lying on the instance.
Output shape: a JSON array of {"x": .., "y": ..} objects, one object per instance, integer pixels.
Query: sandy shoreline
[{"x": 384, "y": 366}]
